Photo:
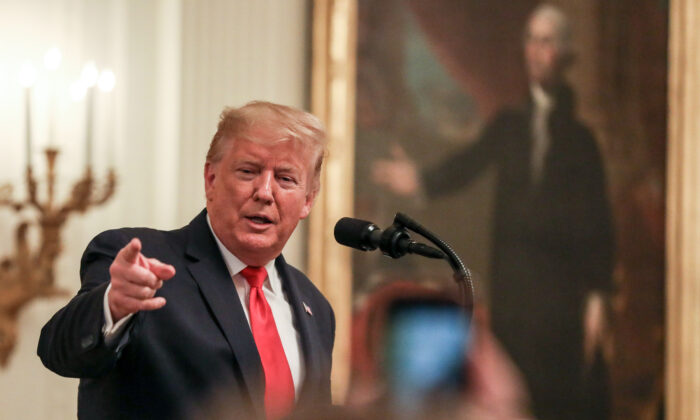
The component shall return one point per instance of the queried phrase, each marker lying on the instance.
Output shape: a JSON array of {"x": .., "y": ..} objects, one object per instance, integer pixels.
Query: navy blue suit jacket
[{"x": 171, "y": 360}]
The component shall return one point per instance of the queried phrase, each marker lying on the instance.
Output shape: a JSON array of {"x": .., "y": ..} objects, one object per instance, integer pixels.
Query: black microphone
[{"x": 394, "y": 241}]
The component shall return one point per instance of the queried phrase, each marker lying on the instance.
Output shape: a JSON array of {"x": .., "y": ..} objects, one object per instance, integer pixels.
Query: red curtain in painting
[{"x": 486, "y": 57}]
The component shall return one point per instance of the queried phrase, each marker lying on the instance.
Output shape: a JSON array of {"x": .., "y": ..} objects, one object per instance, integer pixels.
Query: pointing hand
[{"x": 135, "y": 280}]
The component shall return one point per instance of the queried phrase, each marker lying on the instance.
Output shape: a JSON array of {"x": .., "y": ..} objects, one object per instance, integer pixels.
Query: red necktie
[{"x": 279, "y": 387}]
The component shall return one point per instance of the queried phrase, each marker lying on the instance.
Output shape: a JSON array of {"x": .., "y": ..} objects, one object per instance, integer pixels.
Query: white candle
[
  {"x": 89, "y": 79},
  {"x": 106, "y": 84},
  {"x": 27, "y": 78},
  {"x": 89, "y": 112},
  {"x": 52, "y": 59},
  {"x": 28, "y": 124}
]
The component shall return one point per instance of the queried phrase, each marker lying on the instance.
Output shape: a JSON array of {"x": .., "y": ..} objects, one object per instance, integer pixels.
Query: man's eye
[
  {"x": 245, "y": 171},
  {"x": 287, "y": 180}
]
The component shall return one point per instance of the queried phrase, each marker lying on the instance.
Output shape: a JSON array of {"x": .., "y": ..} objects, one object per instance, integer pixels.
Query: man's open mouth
[{"x": 260, "y": 220}]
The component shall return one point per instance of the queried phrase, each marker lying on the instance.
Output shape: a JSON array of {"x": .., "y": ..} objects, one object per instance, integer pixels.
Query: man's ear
[
  {"x": 310, "y": 198},
  {"x": 209, "y": 178}
]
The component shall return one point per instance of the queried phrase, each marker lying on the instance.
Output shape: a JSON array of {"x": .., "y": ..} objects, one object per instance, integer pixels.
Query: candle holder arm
[{"x": 107, "y": 190}]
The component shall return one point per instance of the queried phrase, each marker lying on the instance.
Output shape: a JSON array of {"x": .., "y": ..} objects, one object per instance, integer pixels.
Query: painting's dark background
[{"x": 432, "y": 72}]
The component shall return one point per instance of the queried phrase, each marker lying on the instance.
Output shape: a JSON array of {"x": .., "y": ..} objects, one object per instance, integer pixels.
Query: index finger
[{"x": 130, "y": 252}]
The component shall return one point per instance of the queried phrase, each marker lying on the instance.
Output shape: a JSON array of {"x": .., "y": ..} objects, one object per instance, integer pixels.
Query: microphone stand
[{"x": 461, "y": 273}]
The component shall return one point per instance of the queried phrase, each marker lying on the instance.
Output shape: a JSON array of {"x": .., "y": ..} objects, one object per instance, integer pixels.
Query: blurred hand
[
  {"x": 135, "y": 280},
  {"x": 496, "y": 387},
  {"x": 594, "y": 326},
  {"x": 399, "y": 174}
]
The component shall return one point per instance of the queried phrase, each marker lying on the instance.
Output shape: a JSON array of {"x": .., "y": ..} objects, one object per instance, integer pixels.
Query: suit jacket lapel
[
  {"x": 209, "y": 271},
  {"x": 310, "y": 341}
]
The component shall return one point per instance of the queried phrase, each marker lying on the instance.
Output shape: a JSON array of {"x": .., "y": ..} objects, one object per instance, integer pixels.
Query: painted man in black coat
[
  {"x": 552, "y": 236},
  {"x": 161, "y": 323}
]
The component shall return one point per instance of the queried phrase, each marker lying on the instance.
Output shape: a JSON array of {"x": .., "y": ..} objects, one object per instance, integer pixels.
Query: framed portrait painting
[{"x": 533, "y": 138}]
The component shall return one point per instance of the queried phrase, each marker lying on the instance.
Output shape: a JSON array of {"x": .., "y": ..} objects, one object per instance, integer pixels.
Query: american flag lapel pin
[{"x": 307, "y": 308}]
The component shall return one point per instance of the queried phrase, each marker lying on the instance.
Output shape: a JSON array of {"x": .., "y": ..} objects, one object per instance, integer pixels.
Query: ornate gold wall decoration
[{"x": 28, "y": 273}]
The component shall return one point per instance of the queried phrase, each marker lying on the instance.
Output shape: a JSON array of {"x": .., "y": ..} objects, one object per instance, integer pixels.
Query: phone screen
[{"x": 426, "y": 351}]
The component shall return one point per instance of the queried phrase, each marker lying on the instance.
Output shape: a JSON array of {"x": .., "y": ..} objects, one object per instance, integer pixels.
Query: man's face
[
  {"x": 543, "y": 51},
  {"x": 256, "y": 195}
]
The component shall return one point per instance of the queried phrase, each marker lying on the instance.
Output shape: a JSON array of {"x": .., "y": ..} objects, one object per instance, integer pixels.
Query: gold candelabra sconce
[{"x": 29, "y": 271}]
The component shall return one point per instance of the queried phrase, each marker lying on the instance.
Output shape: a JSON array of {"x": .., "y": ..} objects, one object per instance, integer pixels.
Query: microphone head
[{"x": 355, "y": 233}]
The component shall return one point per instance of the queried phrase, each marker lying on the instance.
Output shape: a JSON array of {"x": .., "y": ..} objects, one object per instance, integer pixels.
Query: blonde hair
[{"x": 288, "y": 124}]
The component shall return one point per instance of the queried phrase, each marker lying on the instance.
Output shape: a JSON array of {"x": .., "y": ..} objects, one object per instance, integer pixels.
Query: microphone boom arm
[{"x": 461, "y": 275}]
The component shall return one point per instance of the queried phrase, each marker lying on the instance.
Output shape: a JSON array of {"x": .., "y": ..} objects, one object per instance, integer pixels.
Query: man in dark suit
[
  {"x": 239, "y": 321},
  {"x": 552, "y": 236}
]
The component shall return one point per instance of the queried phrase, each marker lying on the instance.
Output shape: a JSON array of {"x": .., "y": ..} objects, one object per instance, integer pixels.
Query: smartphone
[{"x": 425, "y": 353}]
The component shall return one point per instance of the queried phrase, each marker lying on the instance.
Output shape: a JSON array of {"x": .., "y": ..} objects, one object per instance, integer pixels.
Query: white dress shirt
[
  {"x": 543, "y": 104},
  {"x": 275, "y": 296},
  {"x": 279, "y": 304}
]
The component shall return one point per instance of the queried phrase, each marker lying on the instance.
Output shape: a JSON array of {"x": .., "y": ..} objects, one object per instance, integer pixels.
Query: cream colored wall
[{"x": 178, "y": 62}]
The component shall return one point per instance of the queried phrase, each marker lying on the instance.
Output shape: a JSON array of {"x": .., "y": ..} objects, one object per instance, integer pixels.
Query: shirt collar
[
  {"x": 235, "y": 265},
  {"x": 541, "y": 98}
]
